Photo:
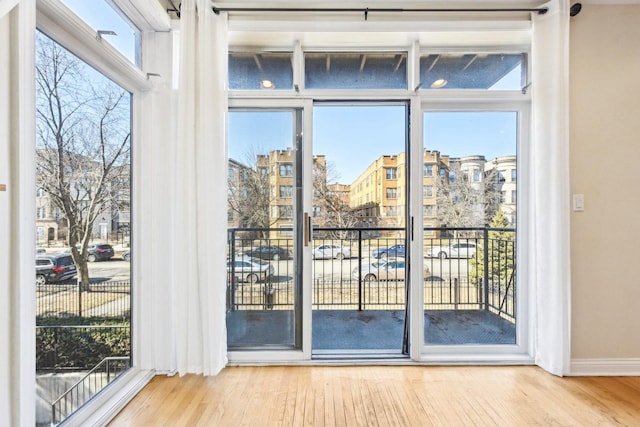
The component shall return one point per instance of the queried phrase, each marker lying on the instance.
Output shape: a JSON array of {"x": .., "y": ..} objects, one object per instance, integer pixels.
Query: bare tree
[
  {"x": 464, "y": 203},
  {"x": 328, "y": 195},
  {"x": 250, "y": 196},
  {"x": 83, "y": 155}
]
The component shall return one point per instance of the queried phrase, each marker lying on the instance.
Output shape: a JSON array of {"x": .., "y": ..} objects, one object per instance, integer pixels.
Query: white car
[
  {"x": 250, "y": 270},
  {"x": 455, "y": 250},
  {"x": 330, "y": 251},
  {"x": 384, "y": 269}
]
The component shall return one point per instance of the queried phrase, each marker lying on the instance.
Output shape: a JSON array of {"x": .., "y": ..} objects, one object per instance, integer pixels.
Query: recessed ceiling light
[
  {"x": 439, "y": 83},
  {"x": 267, "y": 84}
]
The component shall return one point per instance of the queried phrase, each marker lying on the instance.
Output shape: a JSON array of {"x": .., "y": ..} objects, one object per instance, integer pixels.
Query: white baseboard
[{"x": 605, "y": 367}]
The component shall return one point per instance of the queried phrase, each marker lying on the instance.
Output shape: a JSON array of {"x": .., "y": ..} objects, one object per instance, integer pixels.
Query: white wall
[
  {"x": 605, "y": 150},
  {"x": 17, "y": 214}
]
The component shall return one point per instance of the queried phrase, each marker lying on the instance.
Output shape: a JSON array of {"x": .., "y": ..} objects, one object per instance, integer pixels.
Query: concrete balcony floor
[{"x": 369, "y": 330}]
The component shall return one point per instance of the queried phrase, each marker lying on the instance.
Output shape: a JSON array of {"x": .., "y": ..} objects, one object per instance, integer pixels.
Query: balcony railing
[
  {"x": 87, "y": 387},
  {"x": 468, "y": 268}
]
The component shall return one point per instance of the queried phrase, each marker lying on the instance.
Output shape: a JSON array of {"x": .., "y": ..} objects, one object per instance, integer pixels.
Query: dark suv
[
  {"x": 54, "y": 268},
  {"x": 99, "y": 252}
]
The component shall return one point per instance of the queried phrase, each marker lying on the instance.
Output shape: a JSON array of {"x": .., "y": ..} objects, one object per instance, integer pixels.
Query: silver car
[
  {"x": 455, "y": 250},
  {"x": 384, "y": 269},
  {"x": 249, "y": 270},
  {"x": 331, "y": 251}
]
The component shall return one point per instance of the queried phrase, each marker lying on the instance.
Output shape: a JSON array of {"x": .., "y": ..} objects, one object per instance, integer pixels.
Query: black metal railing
[
  {"x": 465, "y": 268},
  {"x": 88, "y": 386},
  {"x": 100, "y": 299}
]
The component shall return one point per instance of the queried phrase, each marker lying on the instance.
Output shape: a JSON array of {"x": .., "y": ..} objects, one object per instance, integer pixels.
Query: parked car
[
  {"x": 126, "y": 255},
  {"x": 95, "y": 252},
  {"x": 384, "y": 269},
  {"x": 330, "y": 251},
  {"x": 455, "y": 250},
  {"x": 391, "y": 251},
  {"x": 249, "y": 270},
  {"x": 271, "y": 252},
  {"x": 54, "y": 268},
  {"x": 99, "y": 252}
]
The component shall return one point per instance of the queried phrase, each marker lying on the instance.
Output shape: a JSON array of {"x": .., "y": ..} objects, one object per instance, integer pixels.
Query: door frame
[
  {"x": 304, "y": 353},
  {"x": 408, "y": 103},
  {"x": 520, "y": 352}
]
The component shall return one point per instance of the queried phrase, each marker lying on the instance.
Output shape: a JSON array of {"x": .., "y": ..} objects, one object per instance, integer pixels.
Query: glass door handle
[{"x": 307, "y": 229}]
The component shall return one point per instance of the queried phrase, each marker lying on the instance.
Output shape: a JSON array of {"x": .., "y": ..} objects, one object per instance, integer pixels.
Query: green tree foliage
[{"x": 501, "y": 253}]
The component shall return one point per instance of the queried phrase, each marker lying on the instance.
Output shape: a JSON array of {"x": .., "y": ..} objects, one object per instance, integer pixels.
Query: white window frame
[
  {"x": 421, "y": 101},
  {"x": 522, "y": 351},
  {"x": 59, "y": 23}
]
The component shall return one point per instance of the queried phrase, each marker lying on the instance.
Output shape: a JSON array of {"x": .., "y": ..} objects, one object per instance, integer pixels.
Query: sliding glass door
[
  {"x": 360, "y": 187},
  {"x": 264, "y": 256}
]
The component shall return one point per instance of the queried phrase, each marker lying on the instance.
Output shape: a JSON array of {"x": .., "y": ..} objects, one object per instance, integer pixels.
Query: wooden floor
[{"x": 385, "y": 396}]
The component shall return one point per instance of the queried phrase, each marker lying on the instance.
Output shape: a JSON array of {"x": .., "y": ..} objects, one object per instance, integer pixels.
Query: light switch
[{"x": 578, "y": 202}]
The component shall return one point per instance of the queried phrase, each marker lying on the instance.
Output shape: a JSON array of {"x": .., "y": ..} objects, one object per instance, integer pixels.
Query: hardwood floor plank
[{"x": 384, "y": 396}]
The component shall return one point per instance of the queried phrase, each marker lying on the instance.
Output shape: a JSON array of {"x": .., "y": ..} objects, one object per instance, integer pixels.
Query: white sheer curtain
[
  {"x": 201, "y": 196},
  {"x": 550, "y": 255}
]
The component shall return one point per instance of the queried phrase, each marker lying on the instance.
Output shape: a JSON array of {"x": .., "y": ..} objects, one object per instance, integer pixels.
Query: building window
[
  {"x": 514, "y": 175},
  {"x": 286, "y": 191},
  {"x": 428, "y": 211},
  {"x": 285, "y": 211},
  {"x": 391, "y": 173},
  {"x": 427, "y": 191},
  {"x": 286, "y": 230},
  {"x": 391, "y": 211},
  {"x": 392, "y": 193},
  {"x": 502, "y": 175},
  {"x": 476, "y": 175},
  {"x": 286, "y": 169},
  {"x": 513, "y": 196},
  {"x": 427, "y": 170}
]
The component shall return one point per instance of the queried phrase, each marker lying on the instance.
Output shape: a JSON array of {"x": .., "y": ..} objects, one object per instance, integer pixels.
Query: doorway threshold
[{"x": 353, "y": 355}]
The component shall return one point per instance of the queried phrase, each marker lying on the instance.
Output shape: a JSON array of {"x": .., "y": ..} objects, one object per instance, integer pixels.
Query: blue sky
[
  {"x": 100, "y": 16},
  {"x": 351, "y": 137}
]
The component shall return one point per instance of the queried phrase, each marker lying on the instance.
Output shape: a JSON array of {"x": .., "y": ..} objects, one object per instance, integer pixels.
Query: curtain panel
[
  {"x": 549, "y": 255},
  {"x": 200, "y": 202}
]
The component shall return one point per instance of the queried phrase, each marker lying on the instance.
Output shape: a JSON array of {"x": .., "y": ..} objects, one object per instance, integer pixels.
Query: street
[{"x": 115, "y": 270}]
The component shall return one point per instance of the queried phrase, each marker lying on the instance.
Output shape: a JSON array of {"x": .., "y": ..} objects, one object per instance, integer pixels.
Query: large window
[
  {"x": 83, "y": 281},
  {"x": 472, "y": 254}
]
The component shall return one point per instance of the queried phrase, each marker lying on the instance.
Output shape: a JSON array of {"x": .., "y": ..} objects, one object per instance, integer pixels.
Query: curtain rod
[{"x": 367, "y": 10}]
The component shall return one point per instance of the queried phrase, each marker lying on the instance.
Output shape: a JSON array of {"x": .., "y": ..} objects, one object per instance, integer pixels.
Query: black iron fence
[
  {"x": 77, "y": 328},
  {"x": 102, "y": 299},
  {"x": 465, "y": 268}
]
